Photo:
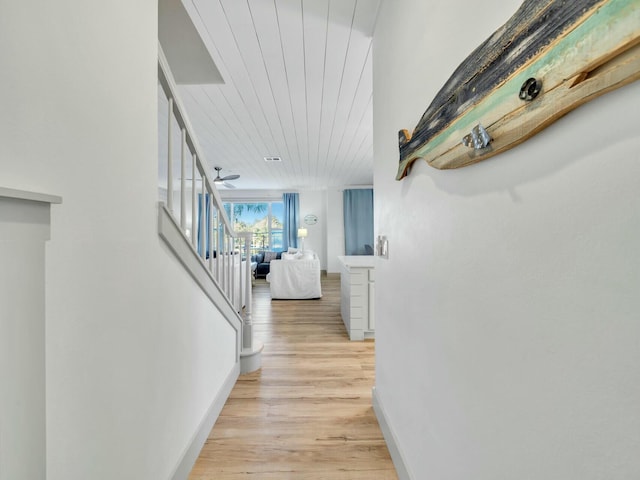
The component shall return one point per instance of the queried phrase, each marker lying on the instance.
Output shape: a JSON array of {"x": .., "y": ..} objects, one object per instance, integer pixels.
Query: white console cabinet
[{"x": 357, "y": 281}]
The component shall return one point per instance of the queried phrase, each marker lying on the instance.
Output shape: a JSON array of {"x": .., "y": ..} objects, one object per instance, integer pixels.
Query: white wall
[
  {"x": 335, "y": 229},
  {"x": 250, "y": 195},
  {"x": 314, "y": 202},
  {"x": 131, "y": 371},
  {"x": 507, "y": 325}
]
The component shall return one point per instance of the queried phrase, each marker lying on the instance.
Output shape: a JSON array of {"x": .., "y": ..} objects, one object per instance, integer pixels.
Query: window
[{"x": 263, "y": 219}]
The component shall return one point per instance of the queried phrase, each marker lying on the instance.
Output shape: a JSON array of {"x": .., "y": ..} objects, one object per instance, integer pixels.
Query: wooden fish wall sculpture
[{"x": 549, "y": 58}]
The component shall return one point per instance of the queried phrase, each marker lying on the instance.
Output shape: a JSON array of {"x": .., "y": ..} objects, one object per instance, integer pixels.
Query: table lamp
[{"x": 302, "y": 233}]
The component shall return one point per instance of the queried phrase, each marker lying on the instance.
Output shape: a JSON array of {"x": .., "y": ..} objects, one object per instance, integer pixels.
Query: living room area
[
  {"x": 314, "y": 380},
  {"x": 320, "y": 215}
]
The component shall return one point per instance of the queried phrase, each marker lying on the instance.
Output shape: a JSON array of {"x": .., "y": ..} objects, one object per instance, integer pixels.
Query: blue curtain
[
  {"x": 291, "y": 220},
  {"x": 358, "y": 221},
  {"x": 208, "y": 224}
]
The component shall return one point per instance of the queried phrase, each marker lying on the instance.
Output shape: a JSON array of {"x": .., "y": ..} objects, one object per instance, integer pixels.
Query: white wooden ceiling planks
[{"x": 298, "y": 84}]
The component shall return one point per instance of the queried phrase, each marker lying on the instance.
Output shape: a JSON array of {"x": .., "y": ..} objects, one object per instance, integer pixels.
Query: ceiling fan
[{"x": 224, "y": 180}]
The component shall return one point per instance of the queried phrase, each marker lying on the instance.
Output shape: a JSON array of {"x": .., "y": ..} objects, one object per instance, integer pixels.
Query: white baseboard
[
  {"x": 390, "y": 438},
  {"x": 197, "y": 442}
]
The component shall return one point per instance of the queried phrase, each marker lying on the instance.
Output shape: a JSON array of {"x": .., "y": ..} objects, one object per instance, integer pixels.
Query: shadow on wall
[{"x": 575, "y": 136}]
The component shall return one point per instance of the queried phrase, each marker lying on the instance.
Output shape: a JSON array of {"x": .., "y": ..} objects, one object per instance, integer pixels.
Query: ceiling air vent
[{"x": 272, "y": 159}]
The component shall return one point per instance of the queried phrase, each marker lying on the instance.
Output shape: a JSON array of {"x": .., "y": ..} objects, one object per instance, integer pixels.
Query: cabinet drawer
[{"x": 358, "y": 277}]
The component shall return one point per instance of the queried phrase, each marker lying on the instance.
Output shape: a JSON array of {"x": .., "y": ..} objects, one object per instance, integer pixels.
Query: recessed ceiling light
[{"x": 272, "y": 159}]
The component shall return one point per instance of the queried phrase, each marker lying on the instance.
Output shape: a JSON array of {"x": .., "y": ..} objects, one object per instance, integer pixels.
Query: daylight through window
[{"x": 263, "y": 219}]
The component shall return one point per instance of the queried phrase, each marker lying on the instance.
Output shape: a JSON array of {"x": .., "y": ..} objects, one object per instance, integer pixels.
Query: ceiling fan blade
[
  {"x": 228, "y": 185},
  {"x": 231, "y": 177}
]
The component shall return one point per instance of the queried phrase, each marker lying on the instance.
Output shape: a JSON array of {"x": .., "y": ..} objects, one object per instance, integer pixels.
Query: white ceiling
[{"x": 297, "y": 84}]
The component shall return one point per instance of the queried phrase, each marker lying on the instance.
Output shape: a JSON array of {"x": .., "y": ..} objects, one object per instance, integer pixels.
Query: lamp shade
[{"x": 302, "y": 232}]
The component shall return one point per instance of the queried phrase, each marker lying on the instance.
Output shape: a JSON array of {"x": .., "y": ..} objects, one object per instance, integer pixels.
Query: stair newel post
[
  {"x": 209, "y": 231},
  {"x": 170, "y": 157},
  {"x": 183, "y": 181},
  {"x": 237, "y": 241},
  {"x": 223, "y": 256},
  {"x": 251, "y": 355},
  {"x": 203, "y": 219},
  {"x": 229, "y": 272},
  {"x": 247, "y": 330},
  {"x": 241, "y": 280},
  {"x": 232, "y": 294},
  {"x": 194, "y": 209},
  {"x": 216, "y": 247}
]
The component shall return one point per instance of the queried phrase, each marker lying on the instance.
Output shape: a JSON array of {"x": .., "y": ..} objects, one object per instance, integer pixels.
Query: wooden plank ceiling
[{"x": 298, "y": 85}]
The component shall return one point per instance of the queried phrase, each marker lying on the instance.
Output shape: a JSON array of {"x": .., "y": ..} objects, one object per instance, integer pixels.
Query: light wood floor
[{"x": 306, "y": 414}]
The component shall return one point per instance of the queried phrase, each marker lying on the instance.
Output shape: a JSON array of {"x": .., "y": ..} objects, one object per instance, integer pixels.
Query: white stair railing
[{"x": 206, "y": 228}]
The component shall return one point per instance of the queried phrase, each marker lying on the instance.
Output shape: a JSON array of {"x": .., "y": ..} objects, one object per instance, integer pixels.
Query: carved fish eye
[{"x": 530, "y": 89}]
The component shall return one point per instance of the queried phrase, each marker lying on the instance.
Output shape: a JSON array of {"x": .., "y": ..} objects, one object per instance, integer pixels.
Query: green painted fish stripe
[{"x": 610, "y": 23}]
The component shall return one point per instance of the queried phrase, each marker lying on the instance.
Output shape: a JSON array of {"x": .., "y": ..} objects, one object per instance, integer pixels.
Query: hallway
[{"x": 306, "y": 414}]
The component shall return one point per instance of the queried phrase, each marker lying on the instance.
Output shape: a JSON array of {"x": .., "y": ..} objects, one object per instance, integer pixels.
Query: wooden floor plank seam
[{"x": 307, "y": 413}]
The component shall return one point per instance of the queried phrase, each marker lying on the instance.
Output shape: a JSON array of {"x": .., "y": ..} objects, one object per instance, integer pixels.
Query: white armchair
[{"x": 296, "y": 276}]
